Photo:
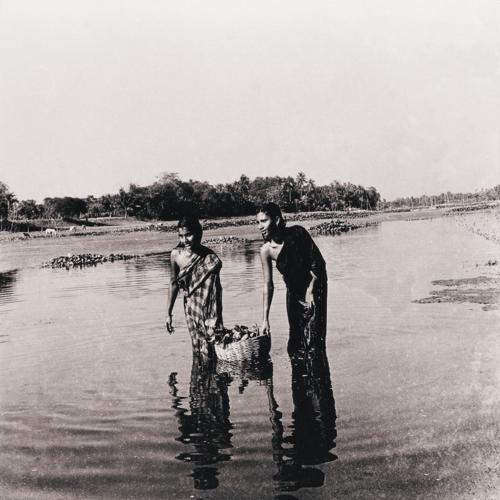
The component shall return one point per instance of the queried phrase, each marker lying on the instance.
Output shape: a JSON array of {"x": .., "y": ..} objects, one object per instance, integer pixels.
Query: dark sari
[{"x": 297, "y": 258}]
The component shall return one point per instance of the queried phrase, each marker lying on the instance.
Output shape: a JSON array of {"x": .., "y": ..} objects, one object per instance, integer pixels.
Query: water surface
[{"x": 97, "y": 401}]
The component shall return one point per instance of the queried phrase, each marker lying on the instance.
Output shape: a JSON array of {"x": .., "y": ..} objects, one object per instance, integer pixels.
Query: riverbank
[
  {"x": 127, "y": 237},
  {"x": 104, "y": 225},
  {"x": 132, "y": 237}
]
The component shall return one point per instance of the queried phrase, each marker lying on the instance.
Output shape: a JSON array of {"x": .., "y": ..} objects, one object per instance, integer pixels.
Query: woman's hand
[
  {"x": 266, "y": 329},
  {"x": 310, "y": 299},
  {"x": 169, "y": 324}
]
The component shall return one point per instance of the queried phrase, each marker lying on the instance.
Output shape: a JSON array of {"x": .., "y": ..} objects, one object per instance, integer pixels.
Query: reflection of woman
[
  {"x": 314, "y": 415},
  {"x": 206, "y": 430},
  {"x": 314, "y": 431},
  {"x": 195, "y": 270},
  {"x": 303, "y": 268}
]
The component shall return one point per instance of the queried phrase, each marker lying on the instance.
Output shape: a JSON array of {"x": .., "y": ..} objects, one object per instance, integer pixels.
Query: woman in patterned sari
[{"x": 195, "y": 270}]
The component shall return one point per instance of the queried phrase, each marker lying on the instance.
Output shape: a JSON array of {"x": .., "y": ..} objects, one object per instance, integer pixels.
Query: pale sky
[{"x": 403, "y": 95}]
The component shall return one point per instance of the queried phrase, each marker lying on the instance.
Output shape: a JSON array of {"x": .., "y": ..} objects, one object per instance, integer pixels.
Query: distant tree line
[
  {"x": 482, "y": 196},
  {"x": 166, "y": 198}
]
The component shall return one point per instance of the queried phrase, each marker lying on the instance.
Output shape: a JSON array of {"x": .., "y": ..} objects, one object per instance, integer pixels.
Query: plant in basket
[
  {"x": 239, "y": 332},
  {"x": 241, "y": 342}
]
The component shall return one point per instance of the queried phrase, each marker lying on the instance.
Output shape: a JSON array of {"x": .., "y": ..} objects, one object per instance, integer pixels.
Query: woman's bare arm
[
  {"x": 268, "y": 291},
  {"x": 173, "y": 289}
]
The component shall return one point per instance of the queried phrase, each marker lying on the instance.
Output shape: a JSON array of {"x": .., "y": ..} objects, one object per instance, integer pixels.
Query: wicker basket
[{"x": 252, "y": 348}]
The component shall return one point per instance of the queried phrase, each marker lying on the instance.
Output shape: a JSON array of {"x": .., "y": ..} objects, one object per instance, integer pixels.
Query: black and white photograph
[{"x": 249, "y": 250}]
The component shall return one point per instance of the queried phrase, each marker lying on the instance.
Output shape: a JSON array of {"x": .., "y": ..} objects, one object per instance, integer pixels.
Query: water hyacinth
[
  {"x": 227, "y": 336},
  {"x": 88, "y": 259},
  {"x": 337, "y": 226},
  {"x": 224, "y": 240}
]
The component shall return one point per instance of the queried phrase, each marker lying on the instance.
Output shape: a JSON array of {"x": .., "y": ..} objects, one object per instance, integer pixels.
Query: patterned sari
[{"x": 200, "y": 282}]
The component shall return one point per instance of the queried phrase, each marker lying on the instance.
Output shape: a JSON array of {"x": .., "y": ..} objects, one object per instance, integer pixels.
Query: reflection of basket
[
  {"x": 259, "y": 370},
  {"x": 252, "y": 348}
]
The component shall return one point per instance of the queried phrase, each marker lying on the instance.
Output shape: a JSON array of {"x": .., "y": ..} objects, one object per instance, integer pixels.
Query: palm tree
[{"x": 301, "y": 182}]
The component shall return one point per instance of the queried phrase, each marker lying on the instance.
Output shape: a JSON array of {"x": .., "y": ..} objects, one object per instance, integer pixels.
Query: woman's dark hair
[
  {"x": 191, "y": 223},
  {"x": 273, "y": 211}
]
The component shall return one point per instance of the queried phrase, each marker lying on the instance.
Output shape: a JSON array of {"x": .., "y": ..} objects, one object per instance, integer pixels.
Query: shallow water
[{"x": 97, "y": 401}]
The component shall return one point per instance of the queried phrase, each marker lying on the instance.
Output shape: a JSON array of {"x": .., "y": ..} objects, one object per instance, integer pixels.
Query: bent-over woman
[
  {"x": 195, "y": 270},
  {"x": 303, "y": 268}
]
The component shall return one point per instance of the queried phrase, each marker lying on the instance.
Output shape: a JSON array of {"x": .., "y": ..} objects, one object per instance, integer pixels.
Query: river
[{"x": 97, "y": 401}]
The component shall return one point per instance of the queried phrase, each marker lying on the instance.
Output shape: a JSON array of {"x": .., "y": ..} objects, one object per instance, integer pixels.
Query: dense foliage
[
  {"x": 166, "y": 198},
  {"x": 7, "y": 202}
]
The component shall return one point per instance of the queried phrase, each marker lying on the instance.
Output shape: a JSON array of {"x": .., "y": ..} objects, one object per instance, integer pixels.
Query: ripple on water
[{"x": 90, "y": 408}]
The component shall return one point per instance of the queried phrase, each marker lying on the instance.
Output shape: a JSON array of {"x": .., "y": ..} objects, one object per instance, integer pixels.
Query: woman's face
[
  {"x": 188, "y": 239},
  {"x": 267, "y": 225}
]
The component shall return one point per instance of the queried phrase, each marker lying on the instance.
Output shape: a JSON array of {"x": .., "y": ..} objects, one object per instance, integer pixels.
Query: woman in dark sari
[{"x": 303, "y": 268}]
